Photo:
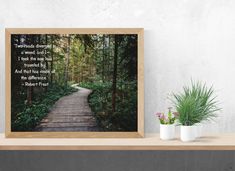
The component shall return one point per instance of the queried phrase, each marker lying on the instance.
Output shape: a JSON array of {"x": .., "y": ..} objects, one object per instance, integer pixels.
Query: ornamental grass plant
[{"x": 195, "y": 104}]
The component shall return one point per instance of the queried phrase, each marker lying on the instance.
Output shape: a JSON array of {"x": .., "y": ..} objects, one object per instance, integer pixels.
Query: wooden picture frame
[{"x": 114, "y": 134}]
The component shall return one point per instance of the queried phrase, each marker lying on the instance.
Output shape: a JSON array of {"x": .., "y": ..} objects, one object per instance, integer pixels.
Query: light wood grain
[
  {"x": 75, "y": 30},
  {"x": 139, "y": 133},
  {"x": 8, "y": 82},
  {"x": 151, "y": 142}
]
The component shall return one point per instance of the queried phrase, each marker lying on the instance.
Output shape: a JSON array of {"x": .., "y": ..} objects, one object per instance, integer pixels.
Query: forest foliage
[{"x": 104, "y": 63}]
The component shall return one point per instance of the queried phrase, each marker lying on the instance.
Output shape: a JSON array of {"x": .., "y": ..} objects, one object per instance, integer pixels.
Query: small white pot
[
  {"x": 198, "y": 130},
  {"x": 187, "y": 133},
  {"x": 167, "y": 132}
]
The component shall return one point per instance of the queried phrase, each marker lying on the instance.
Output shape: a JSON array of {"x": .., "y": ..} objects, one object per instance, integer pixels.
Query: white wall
[{"x": 183, "y": 40}]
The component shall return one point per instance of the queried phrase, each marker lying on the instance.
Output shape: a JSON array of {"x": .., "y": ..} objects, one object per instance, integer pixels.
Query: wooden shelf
[{"x": 150, "y": 142}]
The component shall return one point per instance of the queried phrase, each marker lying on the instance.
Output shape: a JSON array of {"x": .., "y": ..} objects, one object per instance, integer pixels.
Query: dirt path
[{"x": 70, "y": 113}]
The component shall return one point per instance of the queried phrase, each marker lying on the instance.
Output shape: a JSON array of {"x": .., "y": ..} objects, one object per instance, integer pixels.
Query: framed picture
[{"x": 74, "y": 83}]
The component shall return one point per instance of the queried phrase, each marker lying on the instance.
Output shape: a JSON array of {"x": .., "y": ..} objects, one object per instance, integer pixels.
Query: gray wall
[
  {"x": 183, "y": 40},
  {"x": 117, "y": 160}
]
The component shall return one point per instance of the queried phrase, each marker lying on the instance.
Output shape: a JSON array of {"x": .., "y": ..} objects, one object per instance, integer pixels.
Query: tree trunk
[
  {"x": 114, "y": 86},
  {"x": 108, "y": 57},
  {"x": 45, "y": 60},
  {"x": 30, "y": 89},
  {"x": 67, "y": 61},
  {"x": 103, "y": 60},
  {"x": 52, "y": 53}
]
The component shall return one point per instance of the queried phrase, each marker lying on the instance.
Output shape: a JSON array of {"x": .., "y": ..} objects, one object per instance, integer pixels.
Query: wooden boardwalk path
[{"x": 70, "y": 113}]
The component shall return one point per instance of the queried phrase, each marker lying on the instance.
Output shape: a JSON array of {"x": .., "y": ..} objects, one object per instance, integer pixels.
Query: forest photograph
[{"x": 74, "y": 82}]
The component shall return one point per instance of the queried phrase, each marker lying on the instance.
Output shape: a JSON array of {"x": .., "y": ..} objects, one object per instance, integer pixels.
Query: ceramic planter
[
  {"x": 187, "y": 133},
  {"x": 198, "y": 130},
  {"x": 167, "y": 132}
]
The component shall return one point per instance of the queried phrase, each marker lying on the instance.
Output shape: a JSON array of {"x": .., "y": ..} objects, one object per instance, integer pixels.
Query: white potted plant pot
[
  {"x": 167, "y": 132},
  {"x": 187, "y": 133},
  {"x": 198, "y": 130}
]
